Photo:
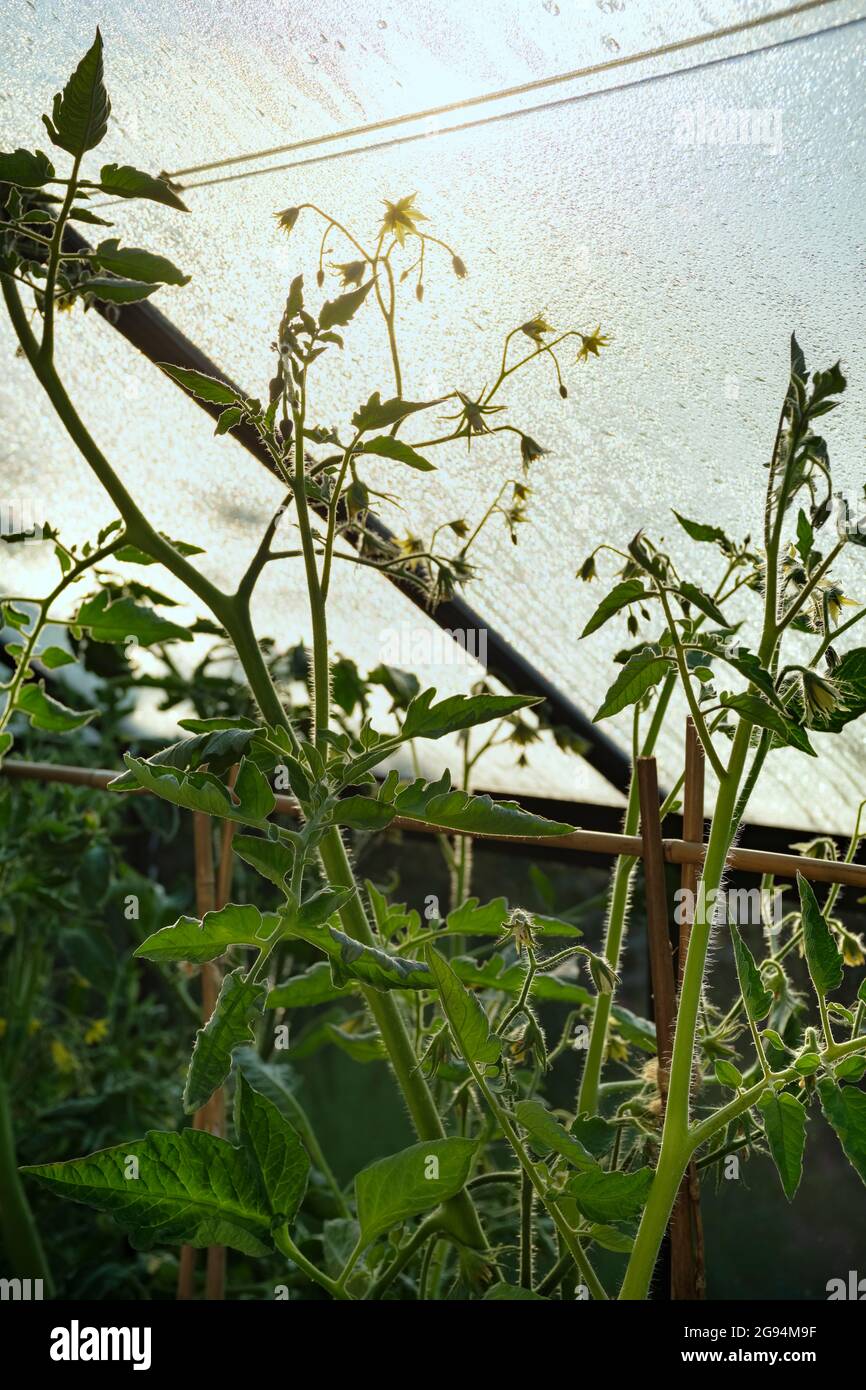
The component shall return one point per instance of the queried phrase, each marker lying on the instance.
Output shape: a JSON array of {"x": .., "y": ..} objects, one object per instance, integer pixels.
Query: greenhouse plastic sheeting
[{"x": 607, "y": 205}]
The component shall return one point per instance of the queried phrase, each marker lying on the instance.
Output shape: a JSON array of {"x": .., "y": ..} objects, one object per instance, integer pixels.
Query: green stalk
[
  {"x": 675, "y": 1149},
  {"x": 587, "y": 1098},
  {"x": 21, "y": 1240}
]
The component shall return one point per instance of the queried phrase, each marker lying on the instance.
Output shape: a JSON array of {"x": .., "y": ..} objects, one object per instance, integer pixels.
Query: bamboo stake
[
  {"x": 688, "y": 1275},
  {"x": 752, "y": 861}
]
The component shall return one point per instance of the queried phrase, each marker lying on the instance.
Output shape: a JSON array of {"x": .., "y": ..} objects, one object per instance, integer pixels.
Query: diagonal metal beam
[{"x": 158, "y": 339}]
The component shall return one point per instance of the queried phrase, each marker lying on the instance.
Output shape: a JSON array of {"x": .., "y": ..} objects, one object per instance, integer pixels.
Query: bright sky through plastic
[{"x": 698, "y": 255}]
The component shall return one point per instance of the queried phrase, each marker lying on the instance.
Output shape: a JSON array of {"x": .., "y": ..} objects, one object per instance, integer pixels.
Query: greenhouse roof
[{"x": 602, "y": 197}]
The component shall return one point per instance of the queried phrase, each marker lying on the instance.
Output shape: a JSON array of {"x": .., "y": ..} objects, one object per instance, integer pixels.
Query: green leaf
[
  {"x": 26, "y": 168},
  {"x": 219, "y": 748},
  {"x": 805, "y": 536},
  {"x": 406, "y": 1184},
  {"x": 435, "y": 803},
  {"x": 6, "y": 741},
  {"x": 640, "y": 674},
  {"x": 489, "y": 919},
  {"x": 191, "y": 1188},
  {"x": 426, "y": 720},
  {"x": 189, "y": 939},
  {"x": 123, "y": 619},
  {"x": 757, "y": 999},
  {"x": 547, "y": 1135},
  {"x": 728, "y": 1075},
  {"x": 369, "y": 965},
  {"x": 851, "y": 1069},
  {"x": 386, "y": 446},
  {"x": 271, "y": 858},
  {"x": 230, "y": 417},
  {"x": 114, "y": 291},
  {"x": 766, "y": 716},
  {"x": 54, "y": 657},
  {"x": 620, "y": 596},
  {"x": 252, "y": 802},
  {"x": 80, "y": 112},
  {"x": 823, "y": 956},
  {"x": 845, "y": 1109},
  {"x": 609, "y": 1238},
  {"x": 699, "y": 531},
  {"x": 123, "y": 181},
  {"x": 239, "y": 1003},
  {"x": 44, "y": 712},
  {"x": 337, "y": 312},
  {"x": 136, "y": 264},
  {"x": 596, "y": 1135},
  {"x": 274, "y": 1152},
  {"x": 704, "y": 604},
  {"x": 378, "y": 414},
  {"x": 206, "y": 388},
  {"x": 605, "y": 1197},
  {"x": 466, "y": 1018},
  {"x": 500, "y": 1293},
  {"x": 785, "y": 1128},
  {"x": 362, "y": 813},
  {"x": 314, "y": 986}
]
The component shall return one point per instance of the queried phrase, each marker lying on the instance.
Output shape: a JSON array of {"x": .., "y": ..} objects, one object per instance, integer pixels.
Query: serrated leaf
[
  {"x": 219, "y": 748},
  {"x": 488, "y": 919},
  {"x": 136, "y": 264},
  {"x": 123, "y": 181},
  {"x": 114, "y": 291},
  {"x": 337, "y": 312},
  {"x": 606, "y": 1197},
  {"x": 123, "y": 619},
  {"x": 199, "y": 941},
  {"x": 700, "y": 531},
  {"x": 378, "y": 414},
  {"x": 79, "y": 115},
  {"x": 766, "y": 716},
  {"x": 239, "y": 1003},
  {"x": 757, "y": 999},
  {"x": 271, "y": 858},
  {"x": 406, "y": 1184},
  {"x": 251, "y": 802},
  {"x": 704, "y": 604},
  {"x": 639, "y": 675},
  {"x": 206, "y": 388},
  {"x": 435, "y": 803},
  {"x": 426, "y": 720},
  {"x": 26, "y": 168},
  {"x": 362, "y": 813},
  {"x": 785, "y": 1128},
  {"x": 464, "y": 1013},
  {"x": 44, "y": 712},
  {"x": 191, "y": 1188},
  {"x": 370, "y": 965},
  {"x": 386, "y": 446},
  {"x": 314, "y": 986},
  {"x": 845, "y": 1110},
  {"x": 274, "y": 1151},
  {"x": 596, "y": 1135},
  {"x": 547, "y": 1135},
  {"x": 621, "y": 596},
  {"x": 823, "y": 957}
]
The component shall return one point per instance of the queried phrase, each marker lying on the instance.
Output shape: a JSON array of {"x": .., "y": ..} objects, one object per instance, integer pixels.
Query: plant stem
[
  {"x": 287, "y": 1247},
  {"x": 21, "y": 1240}
]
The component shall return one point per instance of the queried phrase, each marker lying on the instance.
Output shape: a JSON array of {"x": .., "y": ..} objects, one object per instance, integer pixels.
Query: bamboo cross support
[{"x": 752, "y": 861}]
